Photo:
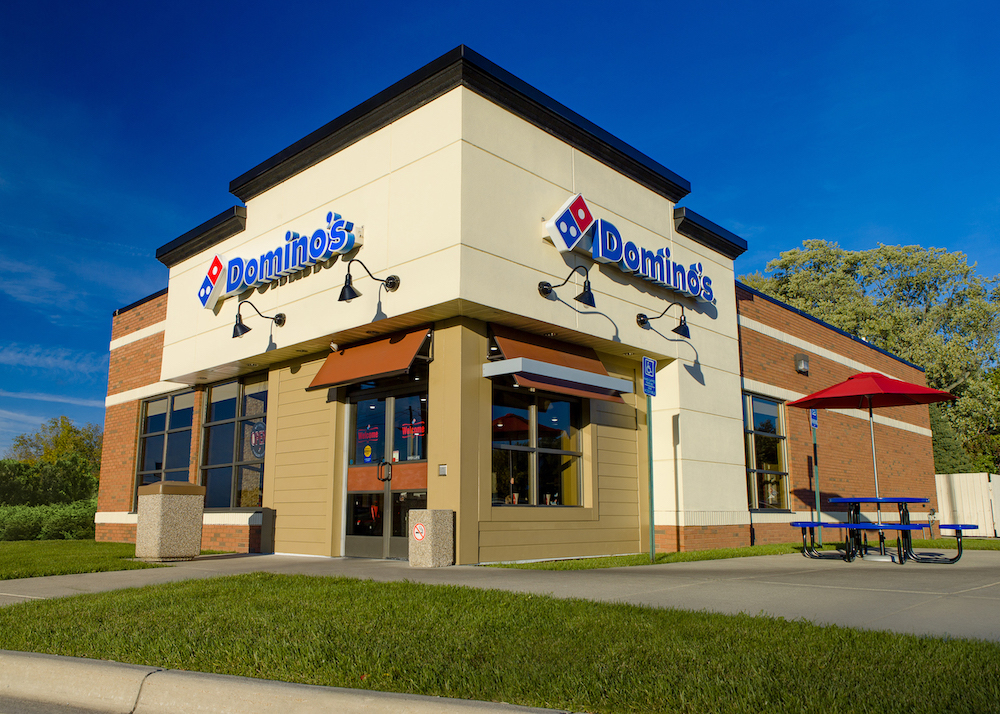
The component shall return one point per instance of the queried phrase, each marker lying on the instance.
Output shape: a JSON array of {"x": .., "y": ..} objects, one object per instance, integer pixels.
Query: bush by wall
[
  {"x": 59, "y": 521},
  {"x": 63, "y": 481}
]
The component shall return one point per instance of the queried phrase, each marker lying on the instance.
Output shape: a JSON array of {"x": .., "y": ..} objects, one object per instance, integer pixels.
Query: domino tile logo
[
  {"x": 211, "y": 289},
  {"x": 570, "y": 224}
]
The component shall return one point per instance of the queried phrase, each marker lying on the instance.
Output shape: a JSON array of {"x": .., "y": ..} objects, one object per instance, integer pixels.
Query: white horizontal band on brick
[
  {"x": 209, "y": 519},
  {"x": 232, "y": 519},
  {"x": 120, "y": 517},
  {"x": 556, "y": 371},
  {"x": 787, "y": 395},
  {"x": 805, "y": 345},
  {"x": 702, "y": 518},
  {"x": 150, "y": 390},
  {"x": 138, "y": 335}
]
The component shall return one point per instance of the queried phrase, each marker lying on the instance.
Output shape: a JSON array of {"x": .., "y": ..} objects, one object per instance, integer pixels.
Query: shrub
[
  {"x": 62, "y": 521},
  {"x": 63, "y": 481}
]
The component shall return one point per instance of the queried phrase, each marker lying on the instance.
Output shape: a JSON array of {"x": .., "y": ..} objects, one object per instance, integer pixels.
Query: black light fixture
[
  {"x": 348, "y": 292},
  {"x": 240, "y": 329},
  {"x": 586, "y": 296},
  {"x": 642, "y": 320}
]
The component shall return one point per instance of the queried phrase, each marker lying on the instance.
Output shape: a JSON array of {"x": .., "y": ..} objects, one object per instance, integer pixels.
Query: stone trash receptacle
[
  {"x": 169, "y": 521},
  {"x": 432, "y": 538}
]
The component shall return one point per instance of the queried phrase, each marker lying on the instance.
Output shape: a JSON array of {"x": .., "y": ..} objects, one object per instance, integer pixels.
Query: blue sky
[{"x": 122, "y": 123}]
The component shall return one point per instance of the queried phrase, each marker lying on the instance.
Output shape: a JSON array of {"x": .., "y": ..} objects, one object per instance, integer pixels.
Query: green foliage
[
  {"x": 58, "y": 438},
  {"x": 926, "y": 305},
  {"x": 488, "y": 645},
  {"x": 949, "y": 456},
  {"x": 65, "y": 480},
  {"x": 60, "y": 521}
]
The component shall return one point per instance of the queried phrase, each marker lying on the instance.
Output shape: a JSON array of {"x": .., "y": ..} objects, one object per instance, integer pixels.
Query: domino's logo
[
  {"x": 570, "y": 224},
  {"x": 211, "y": 289}
]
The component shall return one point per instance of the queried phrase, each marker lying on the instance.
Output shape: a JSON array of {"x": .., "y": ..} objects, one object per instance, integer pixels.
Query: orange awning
[
  {"x": 554, "y": 366},
  {"x": 386, "y": 357}
]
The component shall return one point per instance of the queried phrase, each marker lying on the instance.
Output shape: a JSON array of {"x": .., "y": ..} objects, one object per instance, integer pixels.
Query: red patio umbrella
[{"x": 871, "y": 389}]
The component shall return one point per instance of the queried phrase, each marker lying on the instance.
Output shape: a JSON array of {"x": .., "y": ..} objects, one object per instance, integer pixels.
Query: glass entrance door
[{"x": 386, "y": 473}]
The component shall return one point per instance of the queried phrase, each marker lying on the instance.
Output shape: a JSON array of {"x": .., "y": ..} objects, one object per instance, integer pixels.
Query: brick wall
[
  {"x": 140, "y": 315},
  {"x": 237, "y": 539},
  {"x": 905, "y": 458}
]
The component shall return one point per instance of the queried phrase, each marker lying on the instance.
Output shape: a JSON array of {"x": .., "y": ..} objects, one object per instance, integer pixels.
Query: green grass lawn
[
  {"x": 489, "y": 645},
  {"x": 32, "y": 558}
]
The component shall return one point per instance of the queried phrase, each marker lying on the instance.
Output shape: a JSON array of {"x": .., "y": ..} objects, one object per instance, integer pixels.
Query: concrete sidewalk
[{"x": 959, "y": 600}]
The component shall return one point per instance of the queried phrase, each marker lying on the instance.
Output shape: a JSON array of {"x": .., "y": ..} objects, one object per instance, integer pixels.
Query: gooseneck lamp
[
  {"x": 643, "y": 320},
  {"x": 586, "y": 296},
  {"x": 349, "y": 292},
  {"x": 240, "y": 329}
]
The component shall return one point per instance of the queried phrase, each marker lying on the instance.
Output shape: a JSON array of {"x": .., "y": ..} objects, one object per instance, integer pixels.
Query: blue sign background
[{"x": 649, "y": 377}]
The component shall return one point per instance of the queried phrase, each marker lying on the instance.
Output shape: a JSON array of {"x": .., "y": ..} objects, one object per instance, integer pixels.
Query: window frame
[
  {"x": 143, "y": 437},
  {"x": 535, "y": 451},
  {"x": 235, "y": 464},
  {"x": 754, "y": 474}
]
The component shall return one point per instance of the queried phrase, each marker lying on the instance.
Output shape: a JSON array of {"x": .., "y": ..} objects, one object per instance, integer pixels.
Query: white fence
[{"x": 970, "y": 498}]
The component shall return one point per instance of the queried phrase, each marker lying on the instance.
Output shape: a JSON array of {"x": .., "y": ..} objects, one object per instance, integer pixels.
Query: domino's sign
[
  {"x": 574, "y": 229},
  {"x": 299, "y": 251}
]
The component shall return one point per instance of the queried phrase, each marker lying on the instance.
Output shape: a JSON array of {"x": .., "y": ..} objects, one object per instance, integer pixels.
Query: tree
[
  {"x": 58, "y": 438},
  {"x": 926, "y": 305}
]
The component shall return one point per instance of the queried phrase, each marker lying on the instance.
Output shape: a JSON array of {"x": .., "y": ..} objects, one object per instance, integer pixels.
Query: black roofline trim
[
  {"x": 460, "y": 67},
  {"x": 211, "y": 232},
  {"x": 137, "y": 303},
  {"x": 827, "y": 325},
  {"x": 690, "y": 224}
]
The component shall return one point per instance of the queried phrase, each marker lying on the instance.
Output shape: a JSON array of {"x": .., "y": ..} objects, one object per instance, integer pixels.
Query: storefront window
[
  {"x": 536, "y": 449},
  {"x": 165, "y": 439},
  {"x": 767, "y": 472},
  {"x": 235, "y": 431}
]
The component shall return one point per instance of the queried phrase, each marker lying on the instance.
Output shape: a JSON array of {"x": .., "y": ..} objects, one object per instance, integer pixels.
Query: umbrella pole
[{"x": 878, "y": 506}]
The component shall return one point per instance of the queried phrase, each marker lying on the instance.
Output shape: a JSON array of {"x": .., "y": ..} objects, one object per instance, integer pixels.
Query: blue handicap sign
[
  {"x": 813, "y": 419},
  {"x": 649, "y": 377}
]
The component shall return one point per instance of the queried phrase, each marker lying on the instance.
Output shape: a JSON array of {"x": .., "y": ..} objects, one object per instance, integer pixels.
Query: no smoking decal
[{"x": 419, "y": 531}]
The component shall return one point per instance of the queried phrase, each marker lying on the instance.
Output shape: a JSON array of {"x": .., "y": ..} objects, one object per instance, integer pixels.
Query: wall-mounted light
[
  {"x": 586, "y": 296},
  {"x": 348, "y": 292},
  {"x": 643, "y": 320},
  {"x": 239, "y": 329},
  {"x": 802, "y": 363}
]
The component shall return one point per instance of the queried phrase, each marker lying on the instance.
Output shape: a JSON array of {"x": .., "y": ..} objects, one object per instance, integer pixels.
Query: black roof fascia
[
  {"x": 211, "y": 232},
  {"x": 827, "y": 325},
  {"x": 137, "y": 303},
  {"x": 690, "y": 224},
  {"x": 460, "y": 67}
]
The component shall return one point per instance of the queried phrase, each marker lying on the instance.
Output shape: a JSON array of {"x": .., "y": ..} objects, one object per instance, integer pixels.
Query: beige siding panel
[
  {"x": 610, "y": 495},
  {"x": 611, "y": 443},
  {"x": 620, "y": 509},
  {"x": 612, "y": 457},
  {"x": 619, "y": 483},
  {"x": 306, "y": 420},
  {"x": 287, "y": 458},
  {"x": 607, "y": 419},
  {"x": 298, "y": 408},
  {"x": 302, "y": 481},
  {"x": 495, "y": 538},
  {"x": 617, "y": 470},
  {"x": 314, "y": 443},
  {"x": 534, "y": 525},
  {"x": 304, "y": 507},
  {"x": 315, "y": 427}
]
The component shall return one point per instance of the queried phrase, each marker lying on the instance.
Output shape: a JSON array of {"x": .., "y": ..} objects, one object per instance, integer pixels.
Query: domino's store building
[{"x": 443, "y": 299}]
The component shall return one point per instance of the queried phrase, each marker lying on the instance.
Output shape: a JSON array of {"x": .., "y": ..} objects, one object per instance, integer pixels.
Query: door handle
[{"x": 384, "y": 467}]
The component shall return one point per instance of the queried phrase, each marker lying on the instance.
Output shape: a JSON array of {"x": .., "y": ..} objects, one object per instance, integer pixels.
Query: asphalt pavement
[{"x": 959, "y": 600}]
